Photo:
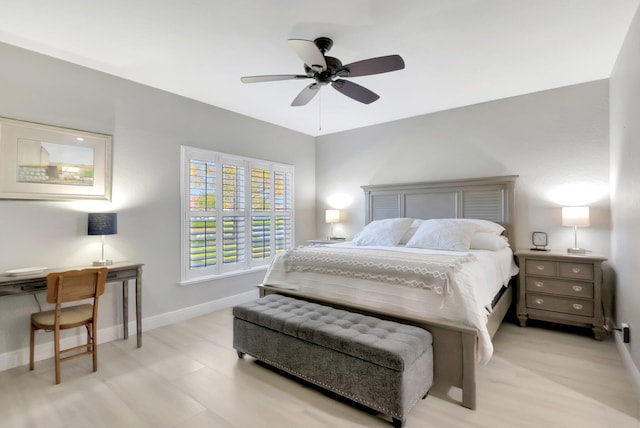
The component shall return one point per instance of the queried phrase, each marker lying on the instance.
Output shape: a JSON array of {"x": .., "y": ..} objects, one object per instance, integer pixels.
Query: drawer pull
[
  {"x": 539, "y": 284},
  {"x": 539, "y": 301},
  {"x": 540, "y": 267},
  {"x": 577, "y": 306},
  {"x": 575, "y": 270},
  {"x": 577, "y": 288}
]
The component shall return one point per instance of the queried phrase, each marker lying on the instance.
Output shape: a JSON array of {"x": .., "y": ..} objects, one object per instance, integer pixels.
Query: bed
[{"x": 462, "y": 328}]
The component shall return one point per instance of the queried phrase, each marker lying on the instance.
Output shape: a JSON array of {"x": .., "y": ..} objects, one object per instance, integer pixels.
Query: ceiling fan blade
[
  {"x": 382, "y": 64},
  {"x": 271, "y": 78},
  {"x": 355, "y": 91},
  {"x": 309, "y": 53},
  {"x": 306, "y": 95}
]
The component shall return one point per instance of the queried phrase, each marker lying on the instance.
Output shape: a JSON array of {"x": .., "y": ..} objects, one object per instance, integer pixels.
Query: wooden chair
[{"x": 70, "y": 286}]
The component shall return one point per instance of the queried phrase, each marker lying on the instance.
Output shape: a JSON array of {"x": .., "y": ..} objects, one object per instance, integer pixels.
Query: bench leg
[
  {"x": 397, "y": 423},
  {"x": 240, "y": 354}
]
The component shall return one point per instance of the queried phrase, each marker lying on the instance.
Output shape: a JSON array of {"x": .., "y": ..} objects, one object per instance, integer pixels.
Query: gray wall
[
  {"x": 549, "y": 139},
  {"x": 148, "y": 127},
  {"x": 625, "y": 193}
]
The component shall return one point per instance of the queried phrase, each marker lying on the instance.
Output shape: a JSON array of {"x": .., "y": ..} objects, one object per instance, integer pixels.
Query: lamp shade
[
  {"x": 332, "y": 216},
  {"x": 575, "y": 216},
  {"x": 102, "y": 224}
]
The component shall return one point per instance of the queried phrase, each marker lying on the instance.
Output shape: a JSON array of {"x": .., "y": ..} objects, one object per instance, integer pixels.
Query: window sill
[{"x": 210, "y": 278}]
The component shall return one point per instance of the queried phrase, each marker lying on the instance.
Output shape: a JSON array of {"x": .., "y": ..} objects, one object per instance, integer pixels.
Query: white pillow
[
  {"x": 443, "y": 234},
  {"x": 387, "y": 232},
  {"x": 488, "y": 241},
  {"x": 483, "y": 225}
]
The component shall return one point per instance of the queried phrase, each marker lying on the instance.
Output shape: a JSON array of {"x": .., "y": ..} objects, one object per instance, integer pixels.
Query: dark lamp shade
[{"x": 102, "y": 224}]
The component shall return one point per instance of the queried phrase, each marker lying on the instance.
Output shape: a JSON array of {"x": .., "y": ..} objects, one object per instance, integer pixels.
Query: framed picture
[{"x": 46, "y": 162}]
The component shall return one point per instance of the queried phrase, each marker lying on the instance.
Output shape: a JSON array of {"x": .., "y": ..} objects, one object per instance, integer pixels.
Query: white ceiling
[{"x": 457, "y": 52}]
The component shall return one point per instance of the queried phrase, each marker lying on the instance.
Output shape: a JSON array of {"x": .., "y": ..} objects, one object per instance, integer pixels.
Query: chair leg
[
  {"x": 94, "y": 346},
  {"x": 31, "y": 346},
  {"x": 56, "y": 347}
]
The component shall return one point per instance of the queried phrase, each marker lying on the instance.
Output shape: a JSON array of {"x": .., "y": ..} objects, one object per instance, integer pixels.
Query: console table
[{"x": 120, "y": 272}]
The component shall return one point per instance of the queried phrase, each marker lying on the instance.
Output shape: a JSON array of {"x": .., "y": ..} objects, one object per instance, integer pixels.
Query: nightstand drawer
[
  {"x": 541, "y": 267},
  {"x": 576, "y": 270},
  {"x": 559, "y": 287},
  {"x": 560, "y": 304}
]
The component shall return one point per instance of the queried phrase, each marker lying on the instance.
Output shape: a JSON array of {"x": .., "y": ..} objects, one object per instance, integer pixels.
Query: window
[{"x": 237, "y": 213}]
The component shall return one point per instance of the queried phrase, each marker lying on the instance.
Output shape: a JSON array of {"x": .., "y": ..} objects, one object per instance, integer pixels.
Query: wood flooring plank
[{"x": 188, "y": 376}]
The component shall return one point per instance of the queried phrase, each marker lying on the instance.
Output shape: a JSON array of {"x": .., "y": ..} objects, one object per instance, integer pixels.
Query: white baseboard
[
  {"x": 634, "y": 373},
  {"x": 20, "y": 357},
  {"x": 193, "y": 311}
]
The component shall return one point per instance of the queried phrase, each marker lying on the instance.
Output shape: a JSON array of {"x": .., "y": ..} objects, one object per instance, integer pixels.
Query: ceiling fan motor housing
[
  {"x": 324, "y": 44},
  {"x": 334, "y": 68}
]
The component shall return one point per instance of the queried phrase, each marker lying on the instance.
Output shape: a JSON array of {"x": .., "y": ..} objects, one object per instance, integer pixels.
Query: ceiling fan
[{"x": 329, "y": 70}]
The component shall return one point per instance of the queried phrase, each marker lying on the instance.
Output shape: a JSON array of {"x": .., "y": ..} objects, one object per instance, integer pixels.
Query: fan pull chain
[{"x": 320, "y": 111}]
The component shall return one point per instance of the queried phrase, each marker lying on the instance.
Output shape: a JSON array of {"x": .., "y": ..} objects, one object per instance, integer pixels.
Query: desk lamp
[
  {"x": 102, "y": 224},
  {"x": 331, "y": 216},
  {"x": 575, "y": 217}
]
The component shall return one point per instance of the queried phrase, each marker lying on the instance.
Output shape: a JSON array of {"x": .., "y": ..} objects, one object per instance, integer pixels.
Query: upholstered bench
[{"x": 381, "y": 364}]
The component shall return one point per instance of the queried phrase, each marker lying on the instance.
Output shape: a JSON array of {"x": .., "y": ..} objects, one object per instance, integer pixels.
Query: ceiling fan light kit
[{"x": 327, "y": 70}]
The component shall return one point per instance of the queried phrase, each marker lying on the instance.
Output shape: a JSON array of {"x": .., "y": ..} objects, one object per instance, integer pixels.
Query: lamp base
[
  {"x": 103, "y": 263},
  {"x": 576, "y": 251}
]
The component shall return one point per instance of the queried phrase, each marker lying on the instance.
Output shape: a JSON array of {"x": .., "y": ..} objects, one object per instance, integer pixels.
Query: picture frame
[{"x": 48, "y": 162}]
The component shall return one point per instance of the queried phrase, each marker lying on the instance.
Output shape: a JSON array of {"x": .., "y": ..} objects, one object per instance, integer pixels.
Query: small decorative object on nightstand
[
  {"x": 539, "y": 240},
  {"x": 562, "y": 288}
]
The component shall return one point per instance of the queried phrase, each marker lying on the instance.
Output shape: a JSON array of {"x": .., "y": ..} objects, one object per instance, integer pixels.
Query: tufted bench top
[{"x": 386, "y": 343}]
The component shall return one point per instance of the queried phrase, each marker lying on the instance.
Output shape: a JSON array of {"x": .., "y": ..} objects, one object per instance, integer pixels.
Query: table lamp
[
  {"x": 331, "y": 216},
  {"x": 575, "y": 217},
  {"x": 102, "y": 224}
]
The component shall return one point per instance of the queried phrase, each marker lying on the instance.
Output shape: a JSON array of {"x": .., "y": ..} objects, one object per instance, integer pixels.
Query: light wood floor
[{"x": 188, "y": 376}]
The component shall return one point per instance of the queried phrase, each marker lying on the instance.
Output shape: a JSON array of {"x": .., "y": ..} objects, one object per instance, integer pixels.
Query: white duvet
[{"x": 472, "y": 289}]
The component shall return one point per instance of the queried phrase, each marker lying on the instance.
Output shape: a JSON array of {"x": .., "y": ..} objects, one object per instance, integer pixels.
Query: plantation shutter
[
  {"x": 202, "y": 200},
  {"x": 261, "y": 197},
  {"x": 283, "y": 208},
  {"x": 233, "y": 226},
  {"x": 237, "y": 213}
]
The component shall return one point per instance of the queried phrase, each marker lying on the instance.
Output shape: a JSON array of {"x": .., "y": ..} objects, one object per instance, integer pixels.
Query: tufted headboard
[{"x": 488, "y": 198}]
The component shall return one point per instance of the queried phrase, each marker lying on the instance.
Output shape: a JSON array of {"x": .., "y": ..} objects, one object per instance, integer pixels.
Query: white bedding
[{"x": 469, "y": 302}]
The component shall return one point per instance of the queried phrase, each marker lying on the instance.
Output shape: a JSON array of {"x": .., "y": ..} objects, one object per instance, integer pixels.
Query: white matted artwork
[{"x": 47, "y": 162}]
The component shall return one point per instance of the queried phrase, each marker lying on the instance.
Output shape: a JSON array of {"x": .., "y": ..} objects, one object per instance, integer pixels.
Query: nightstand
[
  {"x": 562, "y": 288},
  {"x": 324, "y": 241}
]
